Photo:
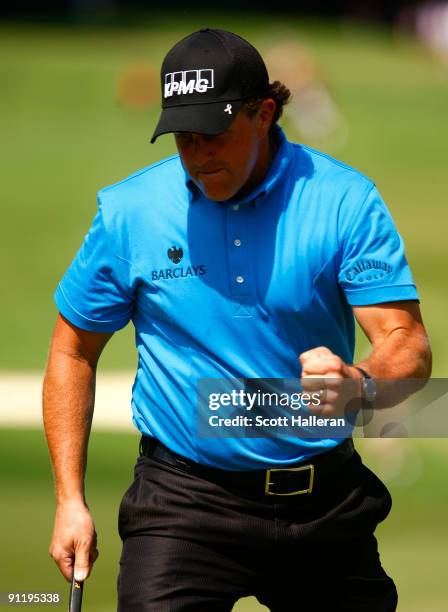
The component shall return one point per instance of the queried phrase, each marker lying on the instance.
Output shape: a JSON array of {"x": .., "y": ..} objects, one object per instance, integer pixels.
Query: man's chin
[
  {"x": 217, "y": 195},
  {"x": 215, "y": 186}
]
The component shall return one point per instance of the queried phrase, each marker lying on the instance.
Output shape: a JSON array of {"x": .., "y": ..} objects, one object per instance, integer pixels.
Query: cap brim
[{"x": 210, "y": 119}]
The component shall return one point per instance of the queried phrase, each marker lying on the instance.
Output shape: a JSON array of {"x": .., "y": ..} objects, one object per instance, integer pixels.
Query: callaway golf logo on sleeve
[
  {"x": 188, "y": 82},
  {"x": 367, "y": 270}
]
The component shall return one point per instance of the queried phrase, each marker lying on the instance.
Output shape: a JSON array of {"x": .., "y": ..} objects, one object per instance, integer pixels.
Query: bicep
[
  {"x": 76, "y": 342},
  {"x": 378, "y": 321}
]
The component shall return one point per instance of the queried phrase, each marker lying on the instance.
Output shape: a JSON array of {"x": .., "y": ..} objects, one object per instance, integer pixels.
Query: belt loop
[{"x": 140, "y": 447}]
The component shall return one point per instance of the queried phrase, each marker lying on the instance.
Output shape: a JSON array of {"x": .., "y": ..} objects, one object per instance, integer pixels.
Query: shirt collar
[{"x": 276, "y": 172}]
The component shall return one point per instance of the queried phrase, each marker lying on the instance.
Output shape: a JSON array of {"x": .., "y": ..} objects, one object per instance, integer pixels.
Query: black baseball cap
[{"x": 205, "y": 79}]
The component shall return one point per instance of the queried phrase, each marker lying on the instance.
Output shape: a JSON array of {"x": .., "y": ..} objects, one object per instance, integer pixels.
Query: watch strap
[
  {"x": 368, "y": 395},
  {"x": 363, "y": 372}
]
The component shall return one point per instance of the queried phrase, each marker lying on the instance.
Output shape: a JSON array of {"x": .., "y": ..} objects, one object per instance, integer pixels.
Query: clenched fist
[{"x": 338, "y": 384}]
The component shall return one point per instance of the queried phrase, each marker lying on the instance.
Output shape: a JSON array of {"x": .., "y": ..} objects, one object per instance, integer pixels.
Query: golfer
[{"x": 243, "y": 257}]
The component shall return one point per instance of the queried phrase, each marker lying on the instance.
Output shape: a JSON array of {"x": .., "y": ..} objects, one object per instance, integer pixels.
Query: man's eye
[{"x": 183, "y": 136}]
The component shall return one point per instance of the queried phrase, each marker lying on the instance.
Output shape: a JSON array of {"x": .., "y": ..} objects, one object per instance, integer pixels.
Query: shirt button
[
  {"x": 237, "y": 242},
  {"x": 240, "y": 279},
  {"x": 236, "y": 207}
]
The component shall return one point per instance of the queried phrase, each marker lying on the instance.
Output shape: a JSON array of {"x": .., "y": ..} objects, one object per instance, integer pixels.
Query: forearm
[
  {"x": 68, "y": 401},
  {"x": 401, "y": 354},
  {"x": 401, "y": 363}
]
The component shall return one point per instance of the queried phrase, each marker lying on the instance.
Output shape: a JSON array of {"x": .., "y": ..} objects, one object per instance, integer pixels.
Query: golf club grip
[{"x": 76, "y": 589}]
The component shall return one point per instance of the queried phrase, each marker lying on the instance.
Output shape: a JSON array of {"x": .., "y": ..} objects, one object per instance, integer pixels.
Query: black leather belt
[{"x": 301, "y": 478}]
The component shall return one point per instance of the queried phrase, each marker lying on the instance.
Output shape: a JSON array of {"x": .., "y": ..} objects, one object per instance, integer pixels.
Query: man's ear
[{"x": 265, "y": 116}]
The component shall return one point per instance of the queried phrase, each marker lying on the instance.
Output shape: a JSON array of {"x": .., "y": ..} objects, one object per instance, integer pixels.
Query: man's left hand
[{"x": 339, "y": 384}]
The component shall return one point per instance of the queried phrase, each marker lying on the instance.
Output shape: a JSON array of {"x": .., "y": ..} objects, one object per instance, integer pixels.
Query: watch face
[{"x": 369, "y": 389}]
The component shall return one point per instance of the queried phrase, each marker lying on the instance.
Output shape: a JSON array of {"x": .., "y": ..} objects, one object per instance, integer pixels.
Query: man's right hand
[{"x": 74, "y": 540}]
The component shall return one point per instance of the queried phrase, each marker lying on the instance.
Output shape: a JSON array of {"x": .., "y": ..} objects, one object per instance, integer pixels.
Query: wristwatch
[{"x": 368, "y": 387}]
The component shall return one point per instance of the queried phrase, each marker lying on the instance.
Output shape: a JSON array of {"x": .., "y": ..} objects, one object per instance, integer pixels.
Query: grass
[
  {"x": 65, "y": 136},
  {"x": 413, "y": 539}
]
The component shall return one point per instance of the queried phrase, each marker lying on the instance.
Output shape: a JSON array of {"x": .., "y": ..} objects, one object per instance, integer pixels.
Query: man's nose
[{"x": 202, "y": 144}]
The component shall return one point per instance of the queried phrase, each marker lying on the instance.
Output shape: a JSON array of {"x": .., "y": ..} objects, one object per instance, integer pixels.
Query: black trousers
[{"x": 190, "y": 545}]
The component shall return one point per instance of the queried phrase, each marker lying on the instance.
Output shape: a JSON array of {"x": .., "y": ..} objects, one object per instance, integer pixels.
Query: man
[{"x": 244, "y": 257}]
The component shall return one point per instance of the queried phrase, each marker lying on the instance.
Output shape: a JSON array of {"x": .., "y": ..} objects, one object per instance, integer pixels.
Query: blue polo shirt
[{"x": 233, "y": 290}]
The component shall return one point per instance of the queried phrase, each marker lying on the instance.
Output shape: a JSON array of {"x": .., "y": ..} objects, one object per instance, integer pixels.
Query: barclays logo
[
  {"x": 166, "y": 273},
  {"x": 175, "y": 254}
]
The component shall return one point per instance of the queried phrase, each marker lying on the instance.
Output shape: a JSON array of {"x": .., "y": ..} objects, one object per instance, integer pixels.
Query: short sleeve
[
  {"x": 373, "y": 266},
  {"x": 96, "y": 292}
]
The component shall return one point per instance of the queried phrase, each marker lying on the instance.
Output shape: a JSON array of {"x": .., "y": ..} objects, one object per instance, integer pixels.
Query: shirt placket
[{"x": 238, "y": 259}]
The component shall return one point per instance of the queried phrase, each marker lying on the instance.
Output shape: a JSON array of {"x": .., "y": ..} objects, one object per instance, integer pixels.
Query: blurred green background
[
  {"x": 65, "y": 135},
  {"x": 67, "y": 131}
]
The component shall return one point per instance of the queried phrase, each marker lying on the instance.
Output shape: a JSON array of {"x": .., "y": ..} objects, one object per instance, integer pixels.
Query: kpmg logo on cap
[{"x": 188, "y": 82}]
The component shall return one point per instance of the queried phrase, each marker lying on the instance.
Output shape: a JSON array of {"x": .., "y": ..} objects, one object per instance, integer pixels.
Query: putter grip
[{"x": 76, "y": 588}]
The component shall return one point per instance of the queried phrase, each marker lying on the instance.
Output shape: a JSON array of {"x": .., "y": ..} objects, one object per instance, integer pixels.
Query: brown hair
[{"x": 278, "y": 92}]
